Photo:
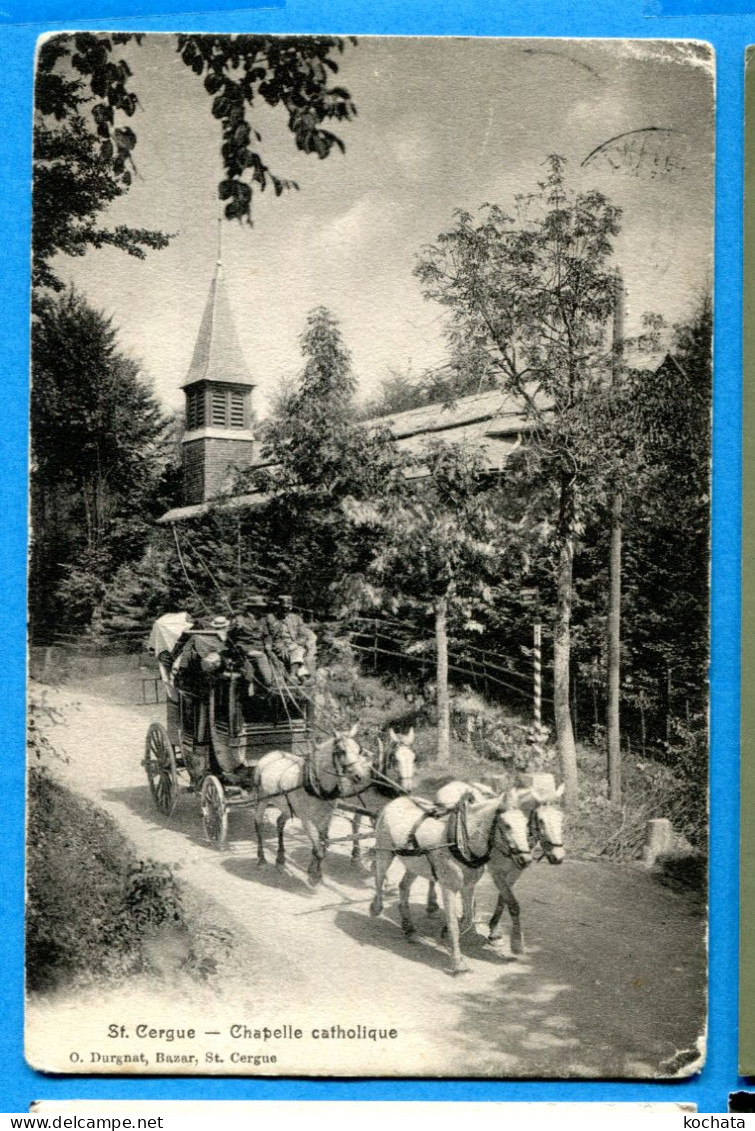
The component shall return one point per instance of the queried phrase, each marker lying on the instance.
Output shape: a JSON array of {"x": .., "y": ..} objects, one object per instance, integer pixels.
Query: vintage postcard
[{"x": 368, "y": 577}]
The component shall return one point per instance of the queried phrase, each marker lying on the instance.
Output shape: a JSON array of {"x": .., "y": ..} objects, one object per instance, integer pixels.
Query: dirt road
[{"x": 610, "y": 985}]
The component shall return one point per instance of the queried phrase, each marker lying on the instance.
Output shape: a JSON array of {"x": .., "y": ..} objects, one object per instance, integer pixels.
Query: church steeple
[{"x": 218, "y": 391}]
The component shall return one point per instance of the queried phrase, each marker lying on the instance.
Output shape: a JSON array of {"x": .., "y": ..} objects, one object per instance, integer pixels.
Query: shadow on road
[
  {"x": 428, "y": 949},
  {"x": 246, "y": 868},
  {"x": 185, "y": 819}
]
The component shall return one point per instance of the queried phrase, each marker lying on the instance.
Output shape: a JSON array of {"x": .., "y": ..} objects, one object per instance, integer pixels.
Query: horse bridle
[
  {"x": 391, "y": 770},
  {"x": 340, "y": 753},
  {"x": 537, "y": 835},
  {"x": 516, "y": 854}
]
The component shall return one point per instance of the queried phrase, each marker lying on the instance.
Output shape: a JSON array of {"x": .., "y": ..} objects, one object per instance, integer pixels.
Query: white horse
[
  {"x": 450, "y": 847},
  {"x": 545, "y": 824},
  {"x": 544, "y": 828},
  {"x": 307, "y": 788},
  {"x": 392, "y": 776}
]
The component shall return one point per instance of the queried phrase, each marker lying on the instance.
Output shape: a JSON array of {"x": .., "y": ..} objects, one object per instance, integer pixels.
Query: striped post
[{"x": 538, "y": 677}]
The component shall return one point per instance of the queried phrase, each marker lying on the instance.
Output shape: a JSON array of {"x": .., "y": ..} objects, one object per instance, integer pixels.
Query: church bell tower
[{"x": 218, "y": 389}]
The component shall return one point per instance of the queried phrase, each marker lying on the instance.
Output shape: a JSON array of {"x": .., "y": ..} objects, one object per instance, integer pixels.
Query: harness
[
  {"x": 535, "y": 837},
  {"x": 458, "y": 839},
  {"x": 459, "y": 842},
  {"x": 314, "y": 788},
  {"x": 413, "y": 847}
]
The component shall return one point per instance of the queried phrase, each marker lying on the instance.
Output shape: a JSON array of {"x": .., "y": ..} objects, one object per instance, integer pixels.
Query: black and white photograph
[{"x": 371, "y": 385}]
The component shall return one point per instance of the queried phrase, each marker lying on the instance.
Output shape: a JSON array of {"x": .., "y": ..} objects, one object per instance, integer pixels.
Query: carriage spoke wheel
[
  {"x": 160, "y": 764},
  {"x": 214, "y": 811}
]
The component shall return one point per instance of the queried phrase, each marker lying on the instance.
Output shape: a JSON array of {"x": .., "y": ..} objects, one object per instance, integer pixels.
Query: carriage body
[
  {"x": 217, "y": 731},
  {"x": 221, "y": 729}
]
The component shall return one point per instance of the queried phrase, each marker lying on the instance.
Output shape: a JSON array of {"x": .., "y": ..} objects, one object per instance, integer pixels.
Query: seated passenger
[
  {"x": 201, "y": 656},
  {"x": 249, "y": 633},
  {"x": 293, "y": 641}
]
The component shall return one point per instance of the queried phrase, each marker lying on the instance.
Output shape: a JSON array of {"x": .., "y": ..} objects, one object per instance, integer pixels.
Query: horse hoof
[
  {"x": 280, "y": 865},
  {"x": 261, "y": 861},
  {"x": 517, "y": 948},
  {"x": 432, "y": 908},
  {"x": 376, "y": 909},
  {"x": 460, "y": 969}
]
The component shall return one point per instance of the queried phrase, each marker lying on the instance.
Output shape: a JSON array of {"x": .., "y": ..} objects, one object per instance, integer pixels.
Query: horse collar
[{"x": 458, "y": 841}]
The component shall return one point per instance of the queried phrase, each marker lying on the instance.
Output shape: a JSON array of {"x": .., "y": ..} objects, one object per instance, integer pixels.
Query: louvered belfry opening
[{"x": 218, "y": 390}]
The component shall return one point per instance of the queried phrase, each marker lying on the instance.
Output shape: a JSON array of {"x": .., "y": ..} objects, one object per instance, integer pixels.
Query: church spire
[
  {"x": 217, "y": 354},
  {"x": 218, "y": 388}
]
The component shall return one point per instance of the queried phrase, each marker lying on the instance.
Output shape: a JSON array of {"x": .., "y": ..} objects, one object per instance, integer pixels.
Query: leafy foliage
[
  {"x": 529, "y": 298},
  {"x": 320, "y": 457},
  {"x": 84, "y": 141},
  {"x": 97, "y": 457},
  {"x": 289, "y": 71},
  {"x": 436, "y": 546},
  {"x": 83, "y": 150},
  {"x": 438, "y": 537},
  {"x": 400, "y": 391}
]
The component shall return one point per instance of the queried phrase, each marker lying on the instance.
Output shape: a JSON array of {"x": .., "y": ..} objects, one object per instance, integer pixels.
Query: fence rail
[
  {"x": 386, "y": 641},
  {"x": 473, "y": 674}
]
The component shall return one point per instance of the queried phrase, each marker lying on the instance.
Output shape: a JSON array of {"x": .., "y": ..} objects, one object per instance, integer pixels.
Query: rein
[
  {"x": 316, "y": 789},
  {"x": 309, "y": 784}
]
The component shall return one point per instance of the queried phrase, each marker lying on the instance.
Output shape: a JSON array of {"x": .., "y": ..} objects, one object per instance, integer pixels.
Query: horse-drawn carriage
[
  {"x": 218, "y": 727},
  {"x": 235, "y": 744}
]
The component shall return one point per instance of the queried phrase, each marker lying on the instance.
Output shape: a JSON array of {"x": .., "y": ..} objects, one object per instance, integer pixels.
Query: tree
[
  {"x": 96, "y": 460},
  {"x": 668, "y": 530},
  {"x": 529, "y": 299},
  {"x": 436, "y": 542},
  {"x": 399, "y": 392},
  {"x": 319, "y": 456},
  {"x": 613, "y": 627},
  {"x": 84, "y": 143},
  {"x": 304, "y": 437}
]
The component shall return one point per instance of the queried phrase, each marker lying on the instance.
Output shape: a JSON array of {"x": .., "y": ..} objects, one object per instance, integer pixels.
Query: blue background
[{"x": 20, "y": 24}]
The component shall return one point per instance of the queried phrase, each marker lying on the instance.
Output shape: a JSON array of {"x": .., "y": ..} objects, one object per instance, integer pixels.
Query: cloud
[
  {"x": 413, "y": 150},
  {"x": 349, "y": 231}
]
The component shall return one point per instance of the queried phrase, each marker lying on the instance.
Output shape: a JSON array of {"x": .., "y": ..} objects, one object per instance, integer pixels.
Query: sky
[{"x": 442, "y": 123}]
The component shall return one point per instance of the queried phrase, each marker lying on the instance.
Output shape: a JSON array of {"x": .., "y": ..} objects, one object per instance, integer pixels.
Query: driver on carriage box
[
  {"x": 250, "y": 634},
  {"x": 293, "y": 641}
]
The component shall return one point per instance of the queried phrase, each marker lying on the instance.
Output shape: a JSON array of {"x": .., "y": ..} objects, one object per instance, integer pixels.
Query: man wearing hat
[
  {"x": 293, "y": 641},
  {"x": 251, "y": 636}
]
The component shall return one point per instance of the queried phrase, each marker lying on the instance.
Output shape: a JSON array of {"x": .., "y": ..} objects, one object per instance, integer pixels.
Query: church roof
[
  {"x": 492, "y": 422},
  {"x": 217, "y": 354}
]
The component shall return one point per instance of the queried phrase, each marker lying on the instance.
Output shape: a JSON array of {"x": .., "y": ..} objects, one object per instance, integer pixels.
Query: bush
[
  {"x": 650, "y": 789},
  {"x": 90, "y": 902}
]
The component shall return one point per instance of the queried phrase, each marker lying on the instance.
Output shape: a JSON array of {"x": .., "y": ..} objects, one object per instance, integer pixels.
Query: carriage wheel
[
  {"x": 160, "y": 764},
  {"x": 214, "y": 811}
]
